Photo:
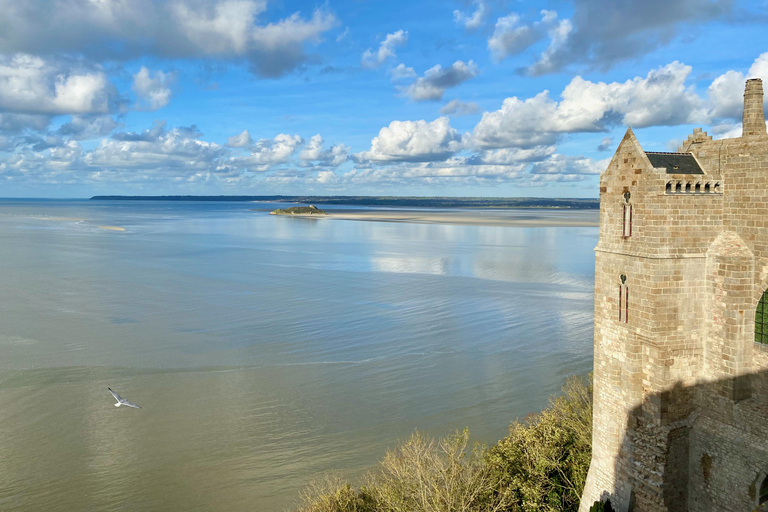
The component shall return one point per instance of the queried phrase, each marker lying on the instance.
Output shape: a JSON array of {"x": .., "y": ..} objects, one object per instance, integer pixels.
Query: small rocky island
[{"x": 299, "y": 210}]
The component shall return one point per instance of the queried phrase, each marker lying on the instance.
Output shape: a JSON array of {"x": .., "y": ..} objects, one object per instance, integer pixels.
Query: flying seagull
[{"x": 121, "y": 400}]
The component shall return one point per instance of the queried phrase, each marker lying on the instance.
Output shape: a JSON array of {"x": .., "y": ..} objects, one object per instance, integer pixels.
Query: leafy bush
[{"x": 540, "y": 466}]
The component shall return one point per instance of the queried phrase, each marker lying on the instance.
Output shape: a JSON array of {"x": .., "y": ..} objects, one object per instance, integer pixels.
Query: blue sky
[{"x": 359, "y": 97}]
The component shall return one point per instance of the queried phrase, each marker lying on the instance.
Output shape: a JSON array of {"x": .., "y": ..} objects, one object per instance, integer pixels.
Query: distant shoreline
[
  {"x": 392, "y": 201},
  {"x": 464, "y": 217}
]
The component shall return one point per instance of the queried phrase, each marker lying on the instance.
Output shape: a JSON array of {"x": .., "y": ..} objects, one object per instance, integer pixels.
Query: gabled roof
[{"x": 674, "y": 163}]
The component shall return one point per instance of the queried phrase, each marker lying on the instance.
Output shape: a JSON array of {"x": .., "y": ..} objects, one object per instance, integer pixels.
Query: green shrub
[{"x": 540, "y": 466}]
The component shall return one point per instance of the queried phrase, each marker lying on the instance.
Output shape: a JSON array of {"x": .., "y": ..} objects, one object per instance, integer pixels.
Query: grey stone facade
[{"x": 680, "y": 386}]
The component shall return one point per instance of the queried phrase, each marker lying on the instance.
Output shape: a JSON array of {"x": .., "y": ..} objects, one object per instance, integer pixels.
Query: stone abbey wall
[{"x": 680, "y": 386}]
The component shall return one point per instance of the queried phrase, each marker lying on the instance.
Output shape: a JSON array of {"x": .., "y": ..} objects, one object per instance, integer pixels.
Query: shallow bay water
[{"x": 264, "y": 350}]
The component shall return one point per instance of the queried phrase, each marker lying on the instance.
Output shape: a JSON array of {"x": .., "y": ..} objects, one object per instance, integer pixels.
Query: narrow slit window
[
  {"x": 626, "y": 305},
  {"x": 761, "y": 320},
  {"x": 620, "y": 300},
  {"x": 623, "y": 300},
  {"x": 626, "y": 230}
]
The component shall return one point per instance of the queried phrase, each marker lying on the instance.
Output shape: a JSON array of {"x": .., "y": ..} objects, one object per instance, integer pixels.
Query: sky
[{"x": 359, "y": 97}]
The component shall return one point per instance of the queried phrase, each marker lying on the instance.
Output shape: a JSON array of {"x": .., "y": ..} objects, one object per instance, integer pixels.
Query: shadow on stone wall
[{"x": 696, "y": 448}]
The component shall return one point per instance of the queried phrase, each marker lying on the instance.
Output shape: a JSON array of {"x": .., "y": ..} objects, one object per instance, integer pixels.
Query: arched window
[
  {"x": 761, "y": 321},
  {"x": 763, "y": 496},
  {"x": 669, "y": 187},
  {"x": 706, "y": 188},
  {"x": 679, "y": 187},
  {"x": 623, "y": 299},
  {"x": 698, "y": 188},
  {"x": 626, "y": 229},
  {"x": 688, "y": 188}
]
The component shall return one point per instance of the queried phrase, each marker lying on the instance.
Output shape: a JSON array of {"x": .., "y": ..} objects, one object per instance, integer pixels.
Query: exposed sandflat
[{"x": 511, "y": 218}]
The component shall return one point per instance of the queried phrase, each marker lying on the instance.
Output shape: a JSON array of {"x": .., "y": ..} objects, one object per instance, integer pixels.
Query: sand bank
[
  {"x": 511, "y": 218},
  {"x": 112, "y": 228}
]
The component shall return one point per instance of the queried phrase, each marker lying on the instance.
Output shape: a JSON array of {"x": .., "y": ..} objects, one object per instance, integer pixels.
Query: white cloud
[
  {"x": 413, "y": 141},
  {"x": 511, "y": 37},
  {"x": 569, "y": 165},
  {"x": 459, "y": 108},
  {"x": 32, "y": 85},
  {"x": 154, "y": 92},
  {"x": 372, "y": 60},
  {"x": 242, "y": 140},
  {"x": 401, "y": 71},
  {"x": 558, "y": 39},
  {"x": 602, "y": 33},
  {"x": 512, "y": 156},
  {"x": 437, "y": 79},
  {"x": 107, "y": 29},
  {"x": 605, "y": 144},
  {"x": 476, "y": 19},
  {"x": 726, "y": 93},
  {"x": 179, "y": 151},
  {"x": 314, "y": 152},
  {"x": 661, "y": 98},
  {"x": 268, "y": 153},
  {"x": 88, "y": 127}
]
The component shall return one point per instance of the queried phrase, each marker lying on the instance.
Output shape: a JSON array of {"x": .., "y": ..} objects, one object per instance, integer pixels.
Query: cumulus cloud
[
  {"x": 401, "y": 71},
  {"x": 413, "y": 141},
  {"x": 315, "y": 153},
  {"x": 178, "y": 150},
  {"x": 726, "y": 93},
  {"x": 511, "y": 36},
  {"x": 242, "y": 140},
  {"x": 605, "y": 144},
  {"x": 178, "y": 29},
  {"x": 459, "y": 108},
  {"x": 267, "y": 153},
  {"x": 437, "y": 79},
  {"x": 476, "y": 19},
  {"x": 372, "y": 60},
  {"x": 511, "y": 156},
  {"x": 152, "y": 89},
  {"x": 563, "y": 165},
  {"x": 602, "y": 33},
  {"x": 14, "y": 123},
  {"x": 33, "y": 85},
  {"x": 661, "y": 98},
  {"x": 88, "y": 127}
]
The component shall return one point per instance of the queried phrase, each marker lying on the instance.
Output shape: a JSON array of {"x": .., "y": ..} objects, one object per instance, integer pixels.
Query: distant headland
[
  {"x": 299, "y": 210},
  {"x": 391, "y": 201}
]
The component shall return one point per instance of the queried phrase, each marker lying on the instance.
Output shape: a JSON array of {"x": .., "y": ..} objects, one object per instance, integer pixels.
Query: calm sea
[{"x": 264, "y": 350}]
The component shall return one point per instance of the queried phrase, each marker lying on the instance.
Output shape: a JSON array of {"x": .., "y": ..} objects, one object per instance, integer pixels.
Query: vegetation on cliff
[
  {"x": 540, "y": 466},
  {"x": 299, "y": 210}
]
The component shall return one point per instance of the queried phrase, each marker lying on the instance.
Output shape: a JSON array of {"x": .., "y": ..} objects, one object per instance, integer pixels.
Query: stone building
[{"x": 681, "y": 360}]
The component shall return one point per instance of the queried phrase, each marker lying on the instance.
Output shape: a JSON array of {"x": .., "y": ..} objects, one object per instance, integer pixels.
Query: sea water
[{"x": 265, "y": 351}]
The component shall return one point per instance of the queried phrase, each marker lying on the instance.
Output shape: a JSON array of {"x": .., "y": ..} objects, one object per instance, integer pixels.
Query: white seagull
[{"x": 121, "y": 400}]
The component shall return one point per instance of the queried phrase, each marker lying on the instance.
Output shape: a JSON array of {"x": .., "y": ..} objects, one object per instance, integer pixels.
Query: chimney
[{"x": 754, "y": 119}]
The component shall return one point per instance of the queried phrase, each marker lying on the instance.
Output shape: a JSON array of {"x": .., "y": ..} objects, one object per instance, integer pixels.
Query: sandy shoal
[{"x": 511, "y": 218}]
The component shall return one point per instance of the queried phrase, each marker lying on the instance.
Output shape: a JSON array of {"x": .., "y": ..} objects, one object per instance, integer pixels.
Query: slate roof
[{"x": 675, "y": 163}]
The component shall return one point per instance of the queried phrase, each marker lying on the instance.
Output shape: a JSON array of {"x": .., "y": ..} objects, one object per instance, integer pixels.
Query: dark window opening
[
  {"x": 698, "y": 188},
  {"x": 679, "y": 187},
  {"x": 623, "y": 300},
  {"x": 688, "y": 187},
  {"x": 761, "y": 321},
  {"x": 669, "y": 187},
  {"x": 763, "y": 492},
  {"x": 626, "y": 230},
  {"x": 706, "y": 188}
]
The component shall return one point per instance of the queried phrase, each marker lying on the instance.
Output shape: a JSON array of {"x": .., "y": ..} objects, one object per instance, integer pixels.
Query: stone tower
[{"x": 681, "y": 365}]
